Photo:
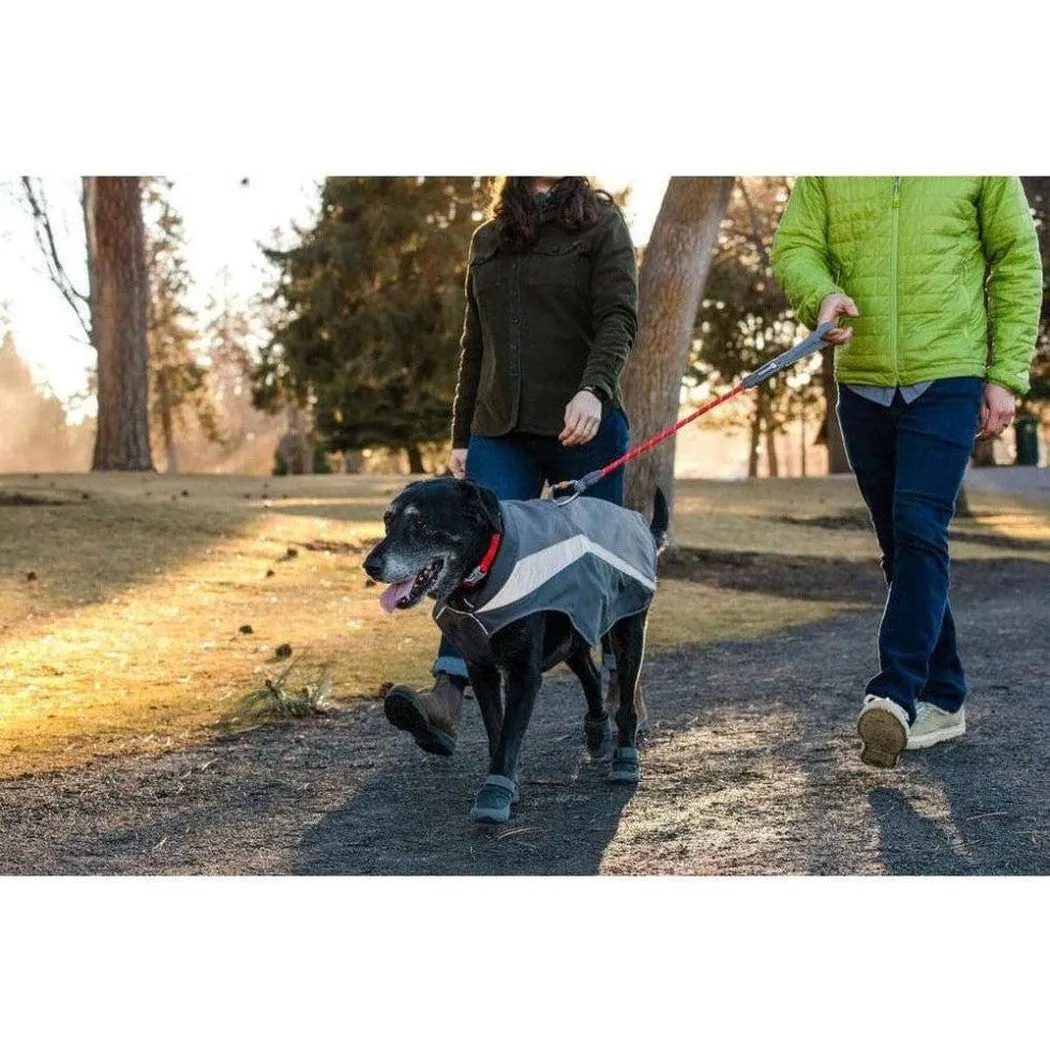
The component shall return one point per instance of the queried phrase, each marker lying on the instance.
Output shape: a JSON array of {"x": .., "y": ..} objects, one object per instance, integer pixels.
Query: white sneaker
[
  {"x": 883, "y": 726},
  {"x": 933, "y": 725}
]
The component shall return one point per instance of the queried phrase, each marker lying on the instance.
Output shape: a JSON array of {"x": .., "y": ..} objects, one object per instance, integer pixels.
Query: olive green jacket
[
  {"x": 543, "y": 323},
  {"x": 945, "y": 272}
]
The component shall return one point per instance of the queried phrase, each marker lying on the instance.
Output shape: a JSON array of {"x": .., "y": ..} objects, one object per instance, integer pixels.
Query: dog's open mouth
[{"x": 408, "y": 592}]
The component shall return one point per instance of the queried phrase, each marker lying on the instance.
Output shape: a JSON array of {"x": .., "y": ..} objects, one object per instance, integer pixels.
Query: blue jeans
[
  {"x": 516, "y": 467},
  {"x": 909, "y": 461}
]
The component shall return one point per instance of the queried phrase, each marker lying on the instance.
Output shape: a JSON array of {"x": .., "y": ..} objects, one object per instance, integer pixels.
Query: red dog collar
[{"x": 475, "y": 577}]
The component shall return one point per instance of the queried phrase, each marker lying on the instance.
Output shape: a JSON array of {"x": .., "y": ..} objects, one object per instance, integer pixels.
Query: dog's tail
[{"x": 661, "y": 519}]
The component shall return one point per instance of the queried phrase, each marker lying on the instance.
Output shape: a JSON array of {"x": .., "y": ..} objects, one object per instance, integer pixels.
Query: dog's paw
[
  {"x": 624, "y": 768},
  {"x": 492, "y": 806}
]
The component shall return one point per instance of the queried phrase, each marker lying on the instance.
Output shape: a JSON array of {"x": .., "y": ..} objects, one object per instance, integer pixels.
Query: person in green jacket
[
  {"x": 940, "y": 282},
  {"x": 552, "y": 312}
]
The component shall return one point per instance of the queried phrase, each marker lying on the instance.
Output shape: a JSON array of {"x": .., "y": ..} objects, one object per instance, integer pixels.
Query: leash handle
[{"x": 810, "y": 345}]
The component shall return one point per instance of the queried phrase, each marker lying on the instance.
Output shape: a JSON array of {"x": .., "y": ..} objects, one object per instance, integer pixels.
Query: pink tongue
[{"x": 394, "y": 593}]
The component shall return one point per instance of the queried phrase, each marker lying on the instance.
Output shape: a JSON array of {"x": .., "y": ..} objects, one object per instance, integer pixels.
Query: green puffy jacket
[{"x": 920, "y": 257}]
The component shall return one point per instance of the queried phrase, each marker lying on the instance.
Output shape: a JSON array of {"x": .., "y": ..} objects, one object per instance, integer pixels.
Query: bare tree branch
[
  {"x": 757, "y": 224},
  {"x": 45, "y": 240}
]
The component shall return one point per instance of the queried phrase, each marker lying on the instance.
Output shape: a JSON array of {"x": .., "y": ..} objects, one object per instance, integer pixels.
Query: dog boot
[
  {"x": 624, "y": 768},
  {"x": 432, "y": 718},
  {"x": 495, "y": 799}
]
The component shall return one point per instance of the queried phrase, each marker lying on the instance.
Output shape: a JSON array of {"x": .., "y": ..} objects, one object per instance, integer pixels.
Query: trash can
[{"x": 1026, "y": 429}]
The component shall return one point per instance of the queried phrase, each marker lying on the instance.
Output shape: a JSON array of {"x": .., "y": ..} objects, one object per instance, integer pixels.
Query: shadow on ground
[
  {"x": 820, "y": 578},
  {"x": 752, "y": 768}
]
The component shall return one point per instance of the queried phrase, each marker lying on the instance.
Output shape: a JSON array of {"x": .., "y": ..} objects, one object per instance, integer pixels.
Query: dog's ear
[{"x": 483, "y": 501}]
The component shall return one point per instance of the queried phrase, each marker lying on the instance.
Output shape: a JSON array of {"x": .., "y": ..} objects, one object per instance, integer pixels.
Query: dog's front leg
[
  {"x": 485, "y": 679},
  {"x": 520, "y": 657},
  {"x": 522, "y": 685}
]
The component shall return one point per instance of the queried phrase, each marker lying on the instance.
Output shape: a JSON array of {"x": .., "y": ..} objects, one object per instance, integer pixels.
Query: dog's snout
[{"x": 373, "y": 564}]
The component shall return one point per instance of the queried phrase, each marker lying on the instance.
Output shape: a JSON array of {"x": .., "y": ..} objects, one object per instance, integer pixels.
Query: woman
[{"x": 552, "y": 293}]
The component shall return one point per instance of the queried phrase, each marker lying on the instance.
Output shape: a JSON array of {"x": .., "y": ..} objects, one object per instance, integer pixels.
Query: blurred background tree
[
  {"x": 178, "y": 378},
  {"x": 119, "y": 298},
  {"x": 112, "y": 313},
  {"x": 745, "y": 319},
  {"x": 370, "y": 312},
  {"x": 1037, "y": 188}
]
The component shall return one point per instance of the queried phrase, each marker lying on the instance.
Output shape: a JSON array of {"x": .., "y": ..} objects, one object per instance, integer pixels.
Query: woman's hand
[
  {"x": 997, "y": 410},
  {"x": 457, "y": 463},
  {"x": 583, "y": 416},
  {"x": 832, "y": 308}
]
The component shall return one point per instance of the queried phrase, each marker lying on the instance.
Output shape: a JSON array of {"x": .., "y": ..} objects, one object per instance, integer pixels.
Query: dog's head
[{"x": 436, "y": 533}]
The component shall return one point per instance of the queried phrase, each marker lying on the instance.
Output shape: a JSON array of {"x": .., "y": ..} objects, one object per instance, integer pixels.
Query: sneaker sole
[
  {"x": 884, "y": 738},
  {"x": 402, "y": 713},
  {"x": 938, "y": 736}
]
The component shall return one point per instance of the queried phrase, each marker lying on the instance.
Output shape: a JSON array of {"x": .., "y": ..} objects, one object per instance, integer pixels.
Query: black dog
[{"x": 450, "y": 540}]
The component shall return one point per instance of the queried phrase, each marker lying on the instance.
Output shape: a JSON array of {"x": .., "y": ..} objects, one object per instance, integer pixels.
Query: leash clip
[{"x": 569, "y": 490}]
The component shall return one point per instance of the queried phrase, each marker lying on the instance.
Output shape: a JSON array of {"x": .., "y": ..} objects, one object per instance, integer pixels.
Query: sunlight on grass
[
  {"x": 690, "y": 613},
  {"x": 121, "y": 605}
]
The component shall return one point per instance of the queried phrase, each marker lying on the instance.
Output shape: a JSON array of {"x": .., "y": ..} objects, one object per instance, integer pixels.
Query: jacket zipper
[{"x": 894, "y": 244}]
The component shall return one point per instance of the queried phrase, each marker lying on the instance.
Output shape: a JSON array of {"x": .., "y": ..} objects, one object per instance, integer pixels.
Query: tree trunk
[
  {"x": 674, "y": 271},
  {"x": 802, "y": 444},
  {"x": 415, "y": 460},
  {"x": 772, "y": 463},
  {"x": 755, "y": 439},
  {"x": 301, "y": 459},
  {"x": 837, "y": 461},
  {"x": 764, "y": 411},
  {"x": 167, "y": 424},
  {"x": 983, "y": 454},
  {"x": 119, "y": 295}
]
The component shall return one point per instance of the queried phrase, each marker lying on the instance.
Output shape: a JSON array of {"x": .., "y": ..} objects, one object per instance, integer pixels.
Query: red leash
[{"x": 567, "y": 491}]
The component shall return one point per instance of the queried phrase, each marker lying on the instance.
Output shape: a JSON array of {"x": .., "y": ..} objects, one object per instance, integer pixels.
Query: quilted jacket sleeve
[
  {"x": 800, "y": 250},
  {"x": 1015, "y": 280}
]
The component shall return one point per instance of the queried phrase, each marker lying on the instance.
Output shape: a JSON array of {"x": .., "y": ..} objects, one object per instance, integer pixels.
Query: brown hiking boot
[
  {"x": 432, "y": 718},
  {"x": 612, "y": 703}
]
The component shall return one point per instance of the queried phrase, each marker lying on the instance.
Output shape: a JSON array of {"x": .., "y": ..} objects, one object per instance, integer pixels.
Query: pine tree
[
  {"x": 178, "y": 378},
  {"x": 227, "y": 343},
  {"x": 371, "y": 310},
  {"x": 34, "y": 435}
]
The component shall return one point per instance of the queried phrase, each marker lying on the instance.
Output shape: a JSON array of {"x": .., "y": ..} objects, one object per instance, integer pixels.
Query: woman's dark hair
[{"x": 576, "y": 202}]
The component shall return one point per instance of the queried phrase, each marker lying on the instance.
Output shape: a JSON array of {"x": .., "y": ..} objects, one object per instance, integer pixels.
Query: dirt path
[{"x": 752, "y": 768}]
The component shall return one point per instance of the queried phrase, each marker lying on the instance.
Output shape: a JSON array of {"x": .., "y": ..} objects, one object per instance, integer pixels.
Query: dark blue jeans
[
  {"x": 909, "y": 461},
  {"x": 516, "y": 467}
]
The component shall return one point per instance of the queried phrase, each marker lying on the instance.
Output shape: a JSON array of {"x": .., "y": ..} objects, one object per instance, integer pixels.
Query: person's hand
[
  {"x": 835, "y": 306},
  {"x": 457, "y": 463},
  {"x": 583, "y": 416},
  {"x": 997, "y": 410}
]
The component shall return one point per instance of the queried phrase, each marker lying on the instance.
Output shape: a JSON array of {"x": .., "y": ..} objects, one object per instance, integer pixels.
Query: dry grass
[{"x": 129, "y": 637}]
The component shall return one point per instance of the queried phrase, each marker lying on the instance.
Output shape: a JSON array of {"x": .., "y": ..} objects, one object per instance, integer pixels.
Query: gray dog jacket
[{"x": 590, "y": 559}]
